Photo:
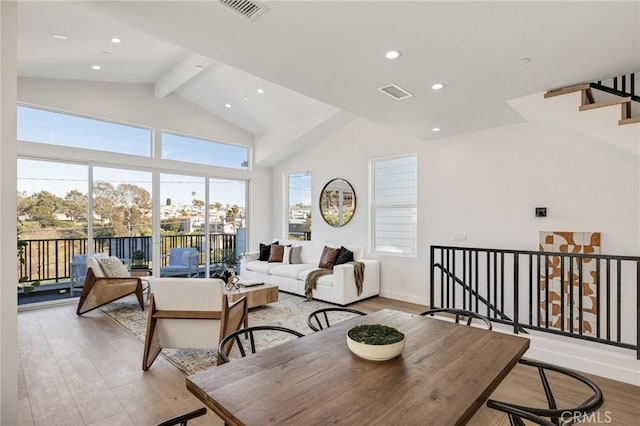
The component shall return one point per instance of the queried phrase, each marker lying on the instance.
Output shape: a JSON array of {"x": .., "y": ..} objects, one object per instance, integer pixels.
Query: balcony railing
[{"x": 48, "y": 260}]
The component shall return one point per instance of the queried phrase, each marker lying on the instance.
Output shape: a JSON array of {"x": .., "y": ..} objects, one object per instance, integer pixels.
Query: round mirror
[{"x": 337, "y": 202}]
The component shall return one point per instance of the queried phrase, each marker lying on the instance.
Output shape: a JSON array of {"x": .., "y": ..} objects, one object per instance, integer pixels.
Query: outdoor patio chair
[
  {"x": 189, "y": 313},
  {"x": 458, "y": 314},
  {"x": 183, "y": 262},
  {"x": 320, "y": 319},
  {"x": 77, "y": 272},
  {"x": 107, "y": 280}
]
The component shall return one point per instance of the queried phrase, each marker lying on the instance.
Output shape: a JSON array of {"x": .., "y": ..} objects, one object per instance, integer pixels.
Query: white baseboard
[
  {"x": 589, "y": 357},
  {"x": 403, "y": 297}
]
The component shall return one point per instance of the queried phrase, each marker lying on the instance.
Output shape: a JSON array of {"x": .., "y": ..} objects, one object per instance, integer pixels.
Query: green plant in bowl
[{"x": 376, "y": 342}]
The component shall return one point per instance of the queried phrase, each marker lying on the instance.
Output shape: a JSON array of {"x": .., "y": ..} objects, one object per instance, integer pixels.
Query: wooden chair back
[{"x": 322, "y": 318}]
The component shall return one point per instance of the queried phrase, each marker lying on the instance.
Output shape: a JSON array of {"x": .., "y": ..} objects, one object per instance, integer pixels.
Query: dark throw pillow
[
  {"x": 328, "y": 257},
  {"x": 276, "y": 254},
  {"x": 344, "y": 256},
  {"x": 265, "y": 251}
]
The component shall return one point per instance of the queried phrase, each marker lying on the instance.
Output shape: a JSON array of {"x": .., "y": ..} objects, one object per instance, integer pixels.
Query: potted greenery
[
  {"x": 139, "y": 259},
  {"x": 376, "y": 342},
  {"x": 230, "y": 261}
]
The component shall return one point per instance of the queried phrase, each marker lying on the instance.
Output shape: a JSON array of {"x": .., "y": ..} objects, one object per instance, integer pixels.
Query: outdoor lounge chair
[
  {"x": 183, "y": 262},
  {"x": 77, "y": 272}
]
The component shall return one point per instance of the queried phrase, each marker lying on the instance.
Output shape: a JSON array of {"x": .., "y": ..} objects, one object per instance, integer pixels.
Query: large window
[
  {"x": 299, "y": 206},
  {"x": 227, "y": 221},
  {"x": 55, "y": 128},
  {"x": 182, "y": 212},
  {"x": 67, "y": 211},
  {"x": 122, "y": 208},
  {"x": 193, "y": 150},
  {"x": 52, "y": 211},
  {"x": 395, "y": 205}
]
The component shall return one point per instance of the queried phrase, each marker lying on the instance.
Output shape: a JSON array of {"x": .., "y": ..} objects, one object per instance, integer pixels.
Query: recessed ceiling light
[
  {"x": 260, "y": 91},
  {"x": 227, "y": 105},
  {"x": 116, "y": 40},
  {"x": 523, "y": 61},
  {"x": 96, "y": 67},
  {"x": 437, "y": 86},
  {"x": 106, "y": 53},
  {"x": 392, "y": 54},
  {"x": 246, "y": 98},
  {"x": 435, "y": 129},
  {"x": 60, "y": 36}
]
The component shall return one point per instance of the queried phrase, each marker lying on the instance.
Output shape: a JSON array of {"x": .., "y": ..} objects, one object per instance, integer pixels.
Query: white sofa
[{"x": 339, "y": 287}]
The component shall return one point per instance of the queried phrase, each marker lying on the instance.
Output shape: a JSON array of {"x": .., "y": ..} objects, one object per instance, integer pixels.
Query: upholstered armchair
[{"x": 189, "y": 313}]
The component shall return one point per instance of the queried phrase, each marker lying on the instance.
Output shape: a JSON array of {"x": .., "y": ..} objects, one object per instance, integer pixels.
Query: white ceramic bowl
[{"x": 376, "y": 352}]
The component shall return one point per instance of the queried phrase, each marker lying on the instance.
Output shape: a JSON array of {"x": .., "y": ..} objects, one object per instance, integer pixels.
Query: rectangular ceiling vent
[
  {"x": 395, "y": 91},
  {"x": 245, "y": 8}
]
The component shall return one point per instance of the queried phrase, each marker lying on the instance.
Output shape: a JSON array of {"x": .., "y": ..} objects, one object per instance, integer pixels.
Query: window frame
[
  {"x": 373, "y": 236},
  {"x": 200, "y": 139},
  {"x": 288, "y": 202},
  {"x": 150, "y": 130}
]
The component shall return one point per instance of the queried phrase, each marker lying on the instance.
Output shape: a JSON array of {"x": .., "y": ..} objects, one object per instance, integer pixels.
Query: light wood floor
[{"x": 87, "y": 371}]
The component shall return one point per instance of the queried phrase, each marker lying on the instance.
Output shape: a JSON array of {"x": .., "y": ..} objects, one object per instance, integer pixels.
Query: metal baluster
[{"x": 562, "y": 313}]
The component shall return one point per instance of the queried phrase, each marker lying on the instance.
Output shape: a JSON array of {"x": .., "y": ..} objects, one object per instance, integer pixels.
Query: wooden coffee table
[{"x": 258, "y": 295}]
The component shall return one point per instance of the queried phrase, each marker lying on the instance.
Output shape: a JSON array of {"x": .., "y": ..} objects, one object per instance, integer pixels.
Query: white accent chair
[{"x": 189, "y": 313}]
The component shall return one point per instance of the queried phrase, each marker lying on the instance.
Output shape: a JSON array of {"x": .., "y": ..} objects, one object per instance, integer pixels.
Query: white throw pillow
[
  {"x": 114, "y": 268},
  {"x": 286, "y": 257},
  {"x": 296, "y": 255}
]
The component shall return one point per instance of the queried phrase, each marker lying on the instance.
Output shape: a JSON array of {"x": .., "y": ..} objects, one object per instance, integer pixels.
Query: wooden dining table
[{"x": 444, "y": 374}]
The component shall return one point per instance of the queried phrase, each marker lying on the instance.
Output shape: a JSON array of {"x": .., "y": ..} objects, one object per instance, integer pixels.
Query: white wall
[
  {"x": 8, "y": 272},
  {"x": 136, "y": 104},
  {"x": 346, "y": 154},
  {"x": 485, "y": 184}
]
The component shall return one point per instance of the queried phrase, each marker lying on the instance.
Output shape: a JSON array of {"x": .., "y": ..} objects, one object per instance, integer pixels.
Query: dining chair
[
  {"x": 237, "y": 337},
  {"x": 553, "y": 415},
  {"x": 319, "y": 320},
  {"x": 183, "y": 419},
  {"x": 460, "y": 314}
]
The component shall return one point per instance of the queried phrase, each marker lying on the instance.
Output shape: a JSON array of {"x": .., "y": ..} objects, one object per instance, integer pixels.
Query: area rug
[{"x": 289, "y": 311}]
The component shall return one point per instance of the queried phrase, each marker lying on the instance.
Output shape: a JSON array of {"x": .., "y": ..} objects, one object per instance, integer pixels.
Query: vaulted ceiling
[{"x": 316, "y": 58}]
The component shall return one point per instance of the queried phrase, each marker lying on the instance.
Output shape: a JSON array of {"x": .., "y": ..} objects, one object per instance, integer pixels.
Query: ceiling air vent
[
  {"x": 248, "y": 9},
  {"x": 396, "y": 92}
]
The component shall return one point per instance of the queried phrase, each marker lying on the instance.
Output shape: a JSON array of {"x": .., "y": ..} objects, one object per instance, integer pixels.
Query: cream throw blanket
[{"x": 312, "y": 278}]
